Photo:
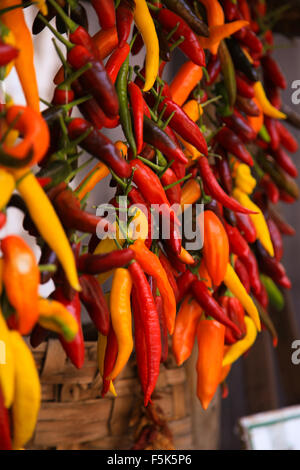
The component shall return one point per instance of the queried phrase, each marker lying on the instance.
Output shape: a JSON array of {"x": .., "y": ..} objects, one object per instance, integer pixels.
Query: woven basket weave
[{"x": 74, "y": 416}]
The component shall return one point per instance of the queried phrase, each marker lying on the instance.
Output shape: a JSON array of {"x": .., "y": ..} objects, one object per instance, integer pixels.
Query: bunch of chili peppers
[{"x": 213, "y": 136}]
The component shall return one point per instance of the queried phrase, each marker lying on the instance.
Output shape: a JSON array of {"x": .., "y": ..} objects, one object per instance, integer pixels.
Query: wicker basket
[{"x": 74, "y": 416}]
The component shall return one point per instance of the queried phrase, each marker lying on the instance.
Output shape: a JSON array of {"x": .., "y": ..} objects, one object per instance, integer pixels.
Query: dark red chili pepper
[
  {"x": 274, "y": 96},
  {"x": 169, "y": 271},
  {"x": 276, "y": 239},
  {"x": 110, "y": 357},
  {"x": 177, "y": 264},
  {"x": 285, "y": 162},
  {"x": 124, "y": 18},
  {"x": 233, "y": 144},
  {"x": 224, "y": 172},
  {"x": 101, "y": 263},
  {"x": 105, "y": 10},
  {"x": 155, "y": 136},
  {"x": 5, "y": 438},
  {"x": 138, "y": 43},
  {"x": 211, "y": 306},
  {"x": 163, "y": 329},
  {"x": 271, "y": 189},
  {"x": 230, "y": 10},
  {"x": 95, "y": 80},
  {"x": 135, "y": 197},
  {"x": 99, "y": 146},
  {"x": 250, "y": 263},
  {"x": 237, "y": 123},
  {"x": 272, "y": 72},
  {"x": 271, "y": 125},
  {"x": 38, "y": 335},
  {"x": 262, "y": 297},
  {"x": 94, "y": 301},
  {"x": 183, "y": 9},
  {"x": 173, "y": 237},
  {"x": 174, "y": 193},
  {"x": 116, "y": 60},
  {"x": 244, "y": 86},
  {"x": 238, "y": 244},
  {"x": 246, "y": 227},
  {"x": 243, "y": 274},
  {"x": 183, "y": 125},
  {"x": 213, "y": 69},
  {"x": 247, "y": 106},
  {"x": 137, "y": 105},
  {"x": 179, "y": 169},
  {"x": 140, "y": 343},
  {"x": 269, "y": 265},
  {"x": 151, "y": 327},
  {"x": 283, "y": 226},
  {"x": 236, "y": 314},
  {"x": 249, "y": 39},
  {"x": 285, "y": 197},
  {"x": 7, "y": 53},
  {"x": 190, "y": 46},
  {"x": 184, "y": 282},
  {"x": 214, "y": 189},
  {"x": 73, "y": 217},
  {"x": 286, "y": 138},
  {"x": 74, "y": 349}
]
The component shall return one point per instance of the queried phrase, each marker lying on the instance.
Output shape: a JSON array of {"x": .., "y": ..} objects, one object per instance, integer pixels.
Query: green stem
[
  {"x": 51, "y": 268},
  {"x": 169, "y": 186},
  {"x": 81, "y": 167},
  {"x": 61, "y": 56},
  {"x": 65, "y": 85},
  {"x": 71, "y": 25},
  {"x": 150, "y": 164},
  {"x": 118, "y": 179},
  {"x": 176, "y": 44},
  {"x": 173, "y": 31},
  {"x": 59, "y": 36},
  {"x": 167, "y": 122},
  {"x": 212, "y": 100}
]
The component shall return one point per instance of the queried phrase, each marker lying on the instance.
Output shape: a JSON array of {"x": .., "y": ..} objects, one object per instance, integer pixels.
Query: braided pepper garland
[{"x": 186, "y": 142}]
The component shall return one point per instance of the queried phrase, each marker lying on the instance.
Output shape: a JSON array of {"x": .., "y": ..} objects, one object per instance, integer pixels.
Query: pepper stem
[
  {"x": 72, "y": 26},
  {"x": 65, "y": 85},
  {"x": 169, "y": 186},
  {"x": 150, "y": 164},
  {"x": 59, "y": 36}
]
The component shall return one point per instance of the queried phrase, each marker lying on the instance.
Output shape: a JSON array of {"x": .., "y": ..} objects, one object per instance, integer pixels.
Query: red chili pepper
[
  {"x": 7, "y": 53},
  {"x": 111, "y": 353},
  {"x": 246, "y": 227},
  {"x": 283, "y": 226},
  {"x": 137, "y": 105},
  {"x": 116, "y": 60},
  {"x": 190, "y": 46},
  {"x": 138, "y": 43},
  {"x": 169, "y": 271},
  {"x": 244, "y": 86},
  {"x": 285, "y": 162},
  {"x": 242, "y": 273},
  {"x": 230, "y": 10},
  {"x": 252, "y": 267},
  {"x": 81, "y": 37},
  {"x": 141, "y": 352},
  {"x": 285, "y": 197},
  {"x": 233, "y": 144},
  {"x": 99, "y": 146},
  {"x": 276, "y": 239},
  {"x": 5, "y": 438},
  {"x": 183, "y": 125},
  {"x": 105, "y": 10},
  {"x": 247, "y": 106},
  {"x": 271, "y": 125},
  {"x": 214, "y": 189},
  {"x": 124, "y": 18},
  {"x": 151, "y": 327},
  {"x": 237, "y": 123},
  {"x": 163, "y": 329},
  {"x": 244, "y": 9},
  {"x": 94, "y": 301},
  {"x": 2, "y": 219},
  {"x": 250, "y": 40},
  {"x": 74, "y": 349},
  {"x": 262, "y": 297},
  {"x": 95, "y": 80},
  {"x": 272, "y": 72},
  {"x": 236, "y": 314},
  {"x": 270, "y": 266},
  {"x": 101, "y": 263},
  {"x": 213, "y": 69},
  {"x": 274, "y": 96},
  {"x": 271, "y": 189},
  {"x": 237, "y": 243},
  {"x": 211, "y": 306},
  {"x": 184, "y": 282},
  {"x": 224, "y": 172},
  {"x": 174, "y": 193},
  {"x": 286, "y": 138}
]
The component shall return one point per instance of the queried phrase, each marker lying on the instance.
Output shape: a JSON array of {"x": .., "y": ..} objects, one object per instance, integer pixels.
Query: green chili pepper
[
  {"x": 228, "y": 72},
  {"x": 275, "y": 296},
  {"x": 264, "y": 134},
  {"x": 125, "y": 117}
]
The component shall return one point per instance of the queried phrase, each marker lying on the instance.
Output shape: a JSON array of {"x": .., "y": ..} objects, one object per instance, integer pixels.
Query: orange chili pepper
[
  {"x": 98, "y": 173},
  {"x": 122, "y": 148},
  {"x": 220, "y": 32},
  {"x": 185, "y": 81},
  {"x": 190, "y": 193},
  {"x": 203, "y": 274},
  {"x": 215, "y": 17},
  {"x": 184, "y": 335},
  {"x": 210, "y": 336},
  {"x": 152, "y": 266},
  {"x": 185, "y": 256}
]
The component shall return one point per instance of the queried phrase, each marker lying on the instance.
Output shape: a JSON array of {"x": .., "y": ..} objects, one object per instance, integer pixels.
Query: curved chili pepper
[
  {"x": 249, "y": 261},
  {"x": 228, "y": 71},
  {"x": 74, "y": 349},
  {"x": 237, "y": 123},
  {"x": 184, "y": 11},
  {"x": 100, "y": 263},
  {"x": 110, "y": 357},
  {"x": 125, "y": 117},
  {"x": 151, "y": 327},
  {"x": 116, "y": 60},
  {"x": 105, "y": 10},
  {"x": 243, "y": 274},
  {"x": 276, "y": 239},
  {"x": 137, "y": 105},
  {"x": 240, "y": 60},
  {"x": 173, "y": 193},
  {"x": 124, "y": 18},
  {"x": 213, "y": 69},
  {"x": 248, "y": 106},
  {"x": 286, "y": 138},
  {"x": 215, "y": 190},
  {"x": 185, "y": 81},
  {"x": 244, "y": 87},
  {"x": 272, "y": 72},
  {"x": 271, "y": 126},
  {"x": 99, "y": 146},
  {"x": 271, "y": 266},
  {"x": 94, "y": 301},
  {"x": 141, "y": 352},
  {"x": 285, "y": 162},
  {"x": 155, "y": 136},
  {"x": 271, "y": 189},
  {"x": 282, "y": 225},
  {"x": 233, "y": 144},
  {"x": 238, "y": 244},
  {"x": 183, "y": 125},
  {"x": 184, "y": 282},
  {"x": 190, "y": 46}
]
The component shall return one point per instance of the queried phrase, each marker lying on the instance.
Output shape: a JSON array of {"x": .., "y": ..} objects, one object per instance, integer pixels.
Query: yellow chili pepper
[
  {"x": 243, "y": 178},
  {"x": 48, "y": 223},
  {"x": 234, "y": 284},
  {"x": 55, "y": 317},
  {"x": 101, "y": 347},
  {"x": 190, "y": 193},
  {"x": 7, "y": 185},
  {"x": 24, "y": 63},
  {"x": 121, "y": 318},
  {"x": 258, "y": 220},
  {"x": 266, "y": 106},
  {"x": 98, "y": 173},
  {"x": 138, "y": 227},
  {"x": 122, "y": 148},
  {"x": 27, "y": 395},
  {"x": 7, "y": 366},
  {"x": 145, "y": 25},
  {"x": 240, "y": 347},
  {"x": 185, "y": 257},
  {"x": 42, "y": 6}
]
